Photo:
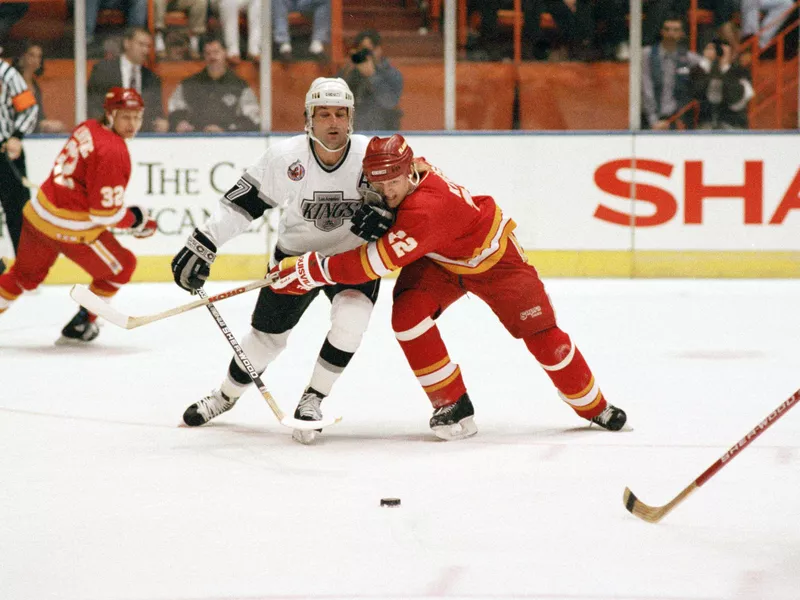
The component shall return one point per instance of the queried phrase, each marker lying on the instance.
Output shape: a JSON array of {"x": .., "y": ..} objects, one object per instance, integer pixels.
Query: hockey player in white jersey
[{"x": 317, "y": 180}]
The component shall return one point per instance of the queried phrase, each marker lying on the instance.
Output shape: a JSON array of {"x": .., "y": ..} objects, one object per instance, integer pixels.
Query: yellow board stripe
[{"x": 549, "y": 263}]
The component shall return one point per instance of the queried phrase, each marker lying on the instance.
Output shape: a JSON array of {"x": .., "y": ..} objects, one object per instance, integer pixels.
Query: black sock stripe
[{"x": 334, "y": 356}]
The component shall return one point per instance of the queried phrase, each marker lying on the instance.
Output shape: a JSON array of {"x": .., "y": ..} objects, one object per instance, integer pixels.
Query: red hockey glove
[
  {"x": 300, "y": 274},
  {"x": 138, "y": 221},
  {"x": 146, "y": 229}
]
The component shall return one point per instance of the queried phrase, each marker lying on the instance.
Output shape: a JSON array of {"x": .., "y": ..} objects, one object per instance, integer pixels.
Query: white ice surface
[{"x": 104, "y": 497}]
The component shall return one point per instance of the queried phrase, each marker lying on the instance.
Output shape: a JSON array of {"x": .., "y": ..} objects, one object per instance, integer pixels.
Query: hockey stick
[
  {"x": 653, "y": 514},
  {"x": 94, "y": 303},
  {"x": 16, "y": 172},
  {"x": 284, "y": 420}
]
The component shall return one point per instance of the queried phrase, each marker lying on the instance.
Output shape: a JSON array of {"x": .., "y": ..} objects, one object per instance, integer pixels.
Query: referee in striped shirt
[{"x": 18, "y": 112}]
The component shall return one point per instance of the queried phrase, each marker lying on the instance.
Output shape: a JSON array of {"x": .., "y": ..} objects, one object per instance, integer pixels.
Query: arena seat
[{"x": 45, "y": 20}]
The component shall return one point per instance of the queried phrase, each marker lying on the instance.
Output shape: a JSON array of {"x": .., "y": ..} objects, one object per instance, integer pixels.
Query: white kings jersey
[{"x": 318, "y": 202}]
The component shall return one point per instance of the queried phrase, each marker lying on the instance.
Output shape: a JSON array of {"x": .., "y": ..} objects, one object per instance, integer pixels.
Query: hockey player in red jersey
[
  {"x": 76, "y": 205},
  {"x": 450, "y": 243}
]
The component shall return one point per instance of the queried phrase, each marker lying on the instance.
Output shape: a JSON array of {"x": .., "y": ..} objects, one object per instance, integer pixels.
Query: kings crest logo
[
  {"x": 328, "y": 210},
  {"x": 296, "y": 171}
]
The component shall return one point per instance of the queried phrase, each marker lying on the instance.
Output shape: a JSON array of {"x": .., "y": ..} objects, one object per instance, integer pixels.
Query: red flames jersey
[
  {"x": 440, "y": 220},
  {"x": 84, "y": 194}
]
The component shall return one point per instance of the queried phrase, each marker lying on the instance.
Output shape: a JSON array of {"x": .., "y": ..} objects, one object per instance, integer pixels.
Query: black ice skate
[
  {"x": 308, "y": 409},
  {"x": 79, "y": 330},
  {"x": 454, "y": 421},
  {"x": 612, "y": 418},
  {"x": 211, "y": 406}
]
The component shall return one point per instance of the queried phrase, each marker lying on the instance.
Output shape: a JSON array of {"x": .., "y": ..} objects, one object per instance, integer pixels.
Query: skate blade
[
  {"x": 309, "y": 425},
  {"x": 458, "y": 431},
  {"x": 65, "y": 341},
  {"x": 625, "y": 428},
  {"x": 304, "y": 436}
]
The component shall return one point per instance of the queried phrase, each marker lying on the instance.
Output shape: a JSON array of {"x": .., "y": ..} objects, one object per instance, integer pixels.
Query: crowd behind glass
[{"x": 708, "y": 87}]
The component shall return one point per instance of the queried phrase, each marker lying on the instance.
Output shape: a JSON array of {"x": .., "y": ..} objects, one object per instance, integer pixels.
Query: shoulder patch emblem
[{"x": 296, "y": 171}]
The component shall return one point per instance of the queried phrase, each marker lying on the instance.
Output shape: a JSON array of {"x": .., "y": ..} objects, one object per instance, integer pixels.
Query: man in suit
[{"x": 128, "y": 71}]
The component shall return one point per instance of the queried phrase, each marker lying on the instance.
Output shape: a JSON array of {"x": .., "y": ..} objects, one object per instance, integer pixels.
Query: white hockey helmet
[{"x": 329, "y": 91}]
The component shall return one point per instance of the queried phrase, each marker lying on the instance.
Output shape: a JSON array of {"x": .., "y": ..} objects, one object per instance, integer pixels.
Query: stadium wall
[{"x": 586, "y": 205}]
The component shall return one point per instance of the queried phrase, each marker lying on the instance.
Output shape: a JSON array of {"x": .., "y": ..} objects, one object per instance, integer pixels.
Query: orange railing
[
  {"x": 337, "y": 27},
  {"x": 678, "y": 120},
  {"x": 773, "y": 80},
  {"x": 697, "y": 16},
  {"x": 513, "y": 17}
]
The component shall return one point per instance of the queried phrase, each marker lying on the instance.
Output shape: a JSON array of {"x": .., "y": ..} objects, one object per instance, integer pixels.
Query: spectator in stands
[
  {"x": 655, "y": 11},
  {"x": 177, "y": 46},
  {"x": 30, "y": 65},
  {"x": 112, "y": 47},
  {"x": 128, "y": 71},
  {"x": 574, "y": 23},
  {"x": 611, "y": 31},
  {"x": 214, "y": 100},
  {"x": 573, "y": 19},
  {"x": 10, "y": 13},
  {"x": 229, "y": 17},
  {"x": 197, "y": 12},
  {"x": 722, "y": 87},
  {"x": 135, "y": 16},
  {"x": 490, "y": 44},
  {"x": 665, "y": 76},
  {"x": 752, "y": 22},
  {"x": 376, "y": 84},
  {"x": 320, "y": 27}
]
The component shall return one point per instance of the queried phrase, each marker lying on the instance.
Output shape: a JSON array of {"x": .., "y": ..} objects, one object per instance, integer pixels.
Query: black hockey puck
[{"x": 390, "y": 501}]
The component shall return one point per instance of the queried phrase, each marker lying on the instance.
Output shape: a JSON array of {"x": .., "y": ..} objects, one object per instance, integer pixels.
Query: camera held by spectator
[
  {"x": 361, "y": 56},
  {"x": 375, "y": 83}
]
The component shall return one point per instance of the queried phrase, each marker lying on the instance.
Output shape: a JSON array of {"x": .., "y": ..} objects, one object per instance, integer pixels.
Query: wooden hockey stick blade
[
  {"x": 653, "y": 514},
  {"x": 309, "y": 425},
  {"x": 94, "y": 303}
]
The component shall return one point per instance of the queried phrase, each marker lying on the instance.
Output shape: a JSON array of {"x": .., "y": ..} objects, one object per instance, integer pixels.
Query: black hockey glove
[
  {"x": 371, "y": 221},
  {"x": 192, "y": 265}
]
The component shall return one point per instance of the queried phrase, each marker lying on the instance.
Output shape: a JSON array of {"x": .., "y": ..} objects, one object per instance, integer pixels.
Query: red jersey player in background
[
  {"x": 79, "y": 201},
  {"x": 449, "y": 243}
]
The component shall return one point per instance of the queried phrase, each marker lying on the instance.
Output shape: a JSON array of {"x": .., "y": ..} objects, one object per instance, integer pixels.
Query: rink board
[{"x": 586, "y": 205}]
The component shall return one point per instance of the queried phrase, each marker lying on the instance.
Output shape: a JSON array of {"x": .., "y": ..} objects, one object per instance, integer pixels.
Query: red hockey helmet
[
  {"x": 122, "y": 98},
  {"x": 387, "y": 158}
]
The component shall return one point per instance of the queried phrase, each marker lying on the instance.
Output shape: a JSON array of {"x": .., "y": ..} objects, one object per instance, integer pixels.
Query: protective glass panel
[{"x": 542, "y": 65}]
